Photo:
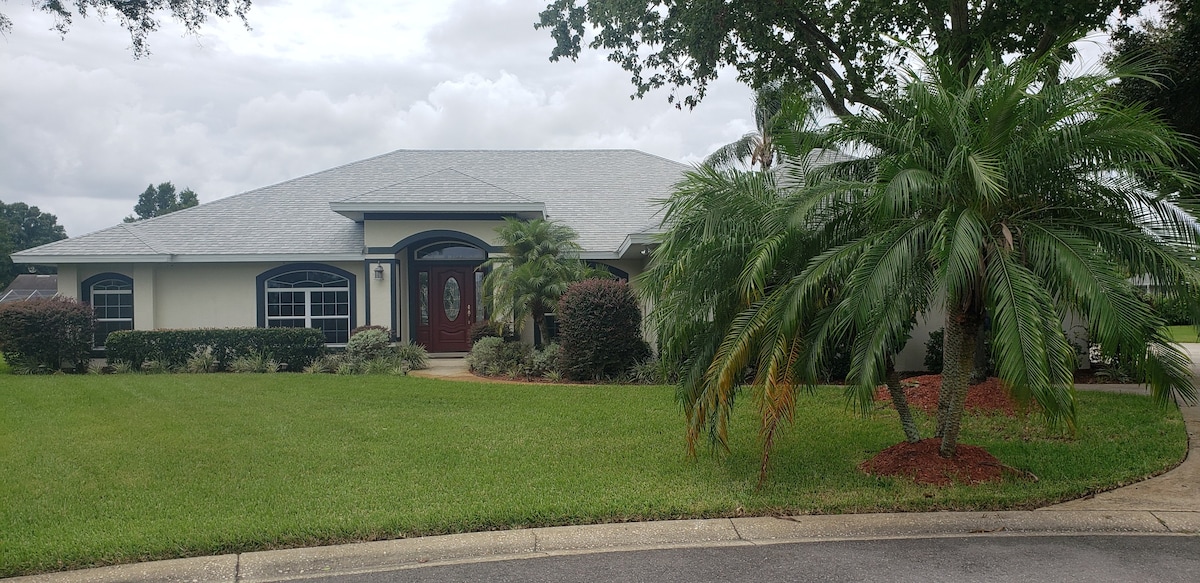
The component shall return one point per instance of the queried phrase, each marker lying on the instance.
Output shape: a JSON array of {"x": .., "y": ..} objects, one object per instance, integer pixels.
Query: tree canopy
[
  {"x": 159, "y": 200},
  {"x": 139, "y": 17},
  {"x": 23, "y": 227},
  {"x": 1173, "y": 44},
  {"x": 847, "y": 49}
]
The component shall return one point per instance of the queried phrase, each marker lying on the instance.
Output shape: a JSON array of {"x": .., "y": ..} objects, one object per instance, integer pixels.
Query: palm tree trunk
[
  {"x": 911, "y": 434},
  {"x": 539, "y": 322},
  {"x": 958, "y": 358}
]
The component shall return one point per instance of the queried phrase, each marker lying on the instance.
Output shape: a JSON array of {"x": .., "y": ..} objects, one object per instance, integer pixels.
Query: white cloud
[{"x": 315, "y": 84}]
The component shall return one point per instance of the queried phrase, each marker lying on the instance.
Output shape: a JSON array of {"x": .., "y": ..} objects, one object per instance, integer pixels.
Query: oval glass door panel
[{"x": 452, "y": 299}]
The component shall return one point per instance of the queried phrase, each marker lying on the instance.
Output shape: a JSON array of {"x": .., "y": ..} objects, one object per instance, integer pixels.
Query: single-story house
[
  {"x": 396, "y": 241},
  {"x": 28, "y": 286}
]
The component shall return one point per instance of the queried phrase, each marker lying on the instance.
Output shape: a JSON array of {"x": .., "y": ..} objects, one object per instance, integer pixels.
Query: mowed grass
[
  {"x": 121, "y": 468},
  {"x": 1185, "y": 333}
]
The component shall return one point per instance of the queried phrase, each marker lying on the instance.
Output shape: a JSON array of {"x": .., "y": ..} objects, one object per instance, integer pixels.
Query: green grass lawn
[
  {"x": 1186, "y": 333},
  {"x": 110, "y": 469}
]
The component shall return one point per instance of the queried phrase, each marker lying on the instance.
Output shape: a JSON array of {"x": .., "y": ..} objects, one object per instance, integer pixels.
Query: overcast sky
[{"x": 85, "y": 127}]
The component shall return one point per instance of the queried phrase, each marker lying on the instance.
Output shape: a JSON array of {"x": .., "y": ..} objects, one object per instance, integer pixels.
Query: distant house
[
  {"x": 396, "y": 240},
  {"x": 30, "y": 286}
]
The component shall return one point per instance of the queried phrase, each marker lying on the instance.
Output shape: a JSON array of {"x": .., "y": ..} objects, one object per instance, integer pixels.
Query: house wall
[
  {"x": 386, "y": 233},
  {"x": 197, "y": 295}
]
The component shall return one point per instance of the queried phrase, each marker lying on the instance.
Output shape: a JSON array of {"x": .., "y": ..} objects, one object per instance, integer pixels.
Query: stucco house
[{"x": 396, "y": 240}]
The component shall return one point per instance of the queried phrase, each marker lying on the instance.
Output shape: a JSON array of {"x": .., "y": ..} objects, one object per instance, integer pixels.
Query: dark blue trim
[
  {"x": 395, "y": 305},
  {"x": 367, "y": 293},
  {"x": 85, "y": 294},
  {"x": 442, "y": 216},
  {"x": 260, "y": 283},
  {"x": 620, "y": 273},
  {"x": 434, "y": 236},
  {"x": 85, "y": 287}
]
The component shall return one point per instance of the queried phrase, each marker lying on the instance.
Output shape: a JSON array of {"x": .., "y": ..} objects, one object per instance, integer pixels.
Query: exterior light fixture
[{"x": 378, "y": 272}]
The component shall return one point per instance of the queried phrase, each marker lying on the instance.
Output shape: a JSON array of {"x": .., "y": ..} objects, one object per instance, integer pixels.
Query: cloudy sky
[{"x": 314, "y": 84}]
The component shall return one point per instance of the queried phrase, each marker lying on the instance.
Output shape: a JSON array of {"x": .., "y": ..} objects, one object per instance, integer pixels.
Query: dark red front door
[{"x": 451, "y": 308}]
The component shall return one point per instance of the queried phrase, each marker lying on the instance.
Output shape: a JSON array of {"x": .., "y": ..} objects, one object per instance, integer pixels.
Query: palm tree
[
  {"x": 779, "y": 109},
  {"x": 987, "y": 194},
  {"x": 723, "y": 225},
  {"x": 541, "y": 260}
]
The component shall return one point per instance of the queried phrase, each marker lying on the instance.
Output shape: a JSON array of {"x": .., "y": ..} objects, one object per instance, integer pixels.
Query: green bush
[
  {"x": 600, "y": 330},
  {"x": 1174, "y": 309},
  {"x": 294, "y": 348},
  {"x": 46, "y": 334},
  {"x": 485, "y": 329},
  {"x": 369, "y": 344},
  {"x": 933, "y": 351},
  {"x": 493, "y": 356},
  {"x": 413, "y": 355},
  {"x": 254, "y": 362}
]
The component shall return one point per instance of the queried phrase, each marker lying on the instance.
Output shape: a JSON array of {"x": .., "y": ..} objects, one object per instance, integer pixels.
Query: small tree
[
  {"x": 541, "y": 260},
  {"x": 157, "y": 201},
  {"x": 45, "y": 334},
  {"x": 600, "y": 329}
]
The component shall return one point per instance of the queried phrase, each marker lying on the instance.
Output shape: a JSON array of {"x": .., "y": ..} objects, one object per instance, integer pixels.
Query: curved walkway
[{"x": 1165, "y": 505}]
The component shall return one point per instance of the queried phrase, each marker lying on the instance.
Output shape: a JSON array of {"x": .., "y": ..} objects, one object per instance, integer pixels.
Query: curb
[{"x": 393, "y": 555}]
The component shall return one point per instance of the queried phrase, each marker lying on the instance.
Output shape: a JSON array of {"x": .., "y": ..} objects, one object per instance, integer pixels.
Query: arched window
[
  {"x": 315, "y": 296},
  {"x": 111, "y": 297},
  {"x": 450, "y": 251}
]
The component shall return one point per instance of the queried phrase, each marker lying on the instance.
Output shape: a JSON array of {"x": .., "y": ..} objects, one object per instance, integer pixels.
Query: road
[{"x": 1108, "y": 558}]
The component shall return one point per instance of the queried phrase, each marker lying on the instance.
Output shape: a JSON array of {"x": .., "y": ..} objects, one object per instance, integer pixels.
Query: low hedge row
[{"x": 295, "y": 347}]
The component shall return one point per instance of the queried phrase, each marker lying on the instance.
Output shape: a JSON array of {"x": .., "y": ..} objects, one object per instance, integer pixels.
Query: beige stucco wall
[
  {"x": 198, "y": 295},
  {"x": 388, "y": 233}
]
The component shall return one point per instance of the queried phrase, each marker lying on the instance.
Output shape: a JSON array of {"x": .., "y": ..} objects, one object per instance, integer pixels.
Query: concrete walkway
[{"x": 1166, "y": 505}]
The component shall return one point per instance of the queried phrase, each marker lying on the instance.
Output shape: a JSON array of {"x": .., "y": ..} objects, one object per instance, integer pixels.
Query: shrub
[
  {"x": 326, "y": 364},
  {"x": 413, "y": 355},
  {"x": 933, "y": 351},
  {"x": 481, "y": 330},
  {"x": 294, "y": 348},
  {"x": 254, "y": 362},
  {"x": 43, "y": 335},
  {"x": 495, "y": 357},
  {"x": 545, "y": 362},
  {"x": 1173, "y": 309},
  {"x": 600, "y": 330},
  {"x": 201, "y": 361},
  {"x": 369, "y": 344}
]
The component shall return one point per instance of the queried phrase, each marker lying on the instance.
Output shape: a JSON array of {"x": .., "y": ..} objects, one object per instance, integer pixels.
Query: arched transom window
[{"x": 310, "y": 299}]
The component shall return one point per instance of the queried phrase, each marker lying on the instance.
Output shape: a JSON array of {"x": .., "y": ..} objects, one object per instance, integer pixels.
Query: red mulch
[
  {"x": 922, "y": 393},
  {"x": 921, "y": 462}
]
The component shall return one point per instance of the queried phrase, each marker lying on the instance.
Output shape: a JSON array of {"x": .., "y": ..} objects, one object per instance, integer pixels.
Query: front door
[{"x": 451, "y": 307}]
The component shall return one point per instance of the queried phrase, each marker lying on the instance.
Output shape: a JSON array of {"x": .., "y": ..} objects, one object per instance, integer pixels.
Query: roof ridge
[{"x": 129, "y": 229}]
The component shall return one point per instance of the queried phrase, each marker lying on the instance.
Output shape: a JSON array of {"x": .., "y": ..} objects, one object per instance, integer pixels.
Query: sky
[{"x": 313, "y": 84}]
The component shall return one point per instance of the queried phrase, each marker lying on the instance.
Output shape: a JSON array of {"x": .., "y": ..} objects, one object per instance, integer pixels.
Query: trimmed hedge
[
  {"x": 600, "y": 330},
  {"x": 295, "y": 347},
  {"x": 46, "y": 334}
]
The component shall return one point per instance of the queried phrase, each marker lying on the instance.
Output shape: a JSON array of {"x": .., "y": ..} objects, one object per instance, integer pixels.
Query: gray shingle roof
[{"x": 603, "y": 194}]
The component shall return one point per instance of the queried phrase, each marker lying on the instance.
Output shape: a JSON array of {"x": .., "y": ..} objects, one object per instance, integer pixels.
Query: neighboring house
[
  {"x": 396, "y": 241},
  {"x": 30, "y": 286}
]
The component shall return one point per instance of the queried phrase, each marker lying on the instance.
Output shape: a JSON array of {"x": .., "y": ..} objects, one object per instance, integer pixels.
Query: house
[
  {"x": 396, "y": 241},
  {"x": 28, "y": 286}
]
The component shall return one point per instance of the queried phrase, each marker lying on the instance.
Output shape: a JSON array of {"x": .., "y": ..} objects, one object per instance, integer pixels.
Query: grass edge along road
[{"x": 122, "y": 468}]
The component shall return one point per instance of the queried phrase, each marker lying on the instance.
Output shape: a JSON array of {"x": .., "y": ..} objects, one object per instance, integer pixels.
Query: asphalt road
[{"x": 1110, "y": 558}]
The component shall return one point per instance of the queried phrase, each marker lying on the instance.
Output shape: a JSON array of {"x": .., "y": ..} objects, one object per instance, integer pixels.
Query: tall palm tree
[
  {"x": 779, "y": 109},
  {"x": 541, "y": 260},
  {"x": 986, "y": 195}
]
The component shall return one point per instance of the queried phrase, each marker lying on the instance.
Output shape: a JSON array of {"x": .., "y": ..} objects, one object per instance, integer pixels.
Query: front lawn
[
  {"x": 110, "y": 469},
  {"x": 1185, "y": 333}
]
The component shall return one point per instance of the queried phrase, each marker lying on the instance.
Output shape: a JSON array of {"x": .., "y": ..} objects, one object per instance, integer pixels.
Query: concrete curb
[{"x": 382, "y": 556}]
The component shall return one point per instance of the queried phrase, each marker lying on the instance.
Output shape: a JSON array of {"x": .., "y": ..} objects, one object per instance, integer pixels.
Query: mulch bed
[
  {"x": 922, "y": 392},
  {"x": 921, "y": 462}
]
